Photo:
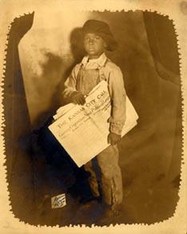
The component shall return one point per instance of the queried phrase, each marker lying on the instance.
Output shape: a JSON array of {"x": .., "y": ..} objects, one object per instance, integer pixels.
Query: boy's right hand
[{"x": 78, "y": 98}]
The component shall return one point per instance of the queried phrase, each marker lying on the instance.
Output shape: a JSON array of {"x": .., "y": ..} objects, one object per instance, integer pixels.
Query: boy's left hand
[{"x": 113, "y": 138}]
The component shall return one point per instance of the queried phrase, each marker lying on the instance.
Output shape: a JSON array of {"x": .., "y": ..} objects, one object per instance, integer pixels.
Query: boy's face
[{"x": 94, "y": 45}]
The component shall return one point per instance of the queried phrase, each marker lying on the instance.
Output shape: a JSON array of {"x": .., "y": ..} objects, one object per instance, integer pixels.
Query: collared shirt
[
  {"x": 111, "y": 73},
  {"x": 94, "y": 63}
]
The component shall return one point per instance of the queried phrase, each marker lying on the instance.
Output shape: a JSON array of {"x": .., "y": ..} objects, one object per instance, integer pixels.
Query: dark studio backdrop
[{"x": 150, "y": 155}]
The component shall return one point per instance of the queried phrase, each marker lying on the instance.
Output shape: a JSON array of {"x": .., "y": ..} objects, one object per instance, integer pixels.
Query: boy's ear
[{"x": 105, "y": 45}]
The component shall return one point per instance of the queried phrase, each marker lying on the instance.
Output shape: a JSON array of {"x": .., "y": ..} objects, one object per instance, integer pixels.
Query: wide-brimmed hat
[{"x": 102, "y": 29}]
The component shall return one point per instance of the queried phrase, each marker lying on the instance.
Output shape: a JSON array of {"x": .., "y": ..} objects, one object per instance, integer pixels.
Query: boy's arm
[
  {"x": 70, "y": 94},
  {"x": 118, "y": 101}
]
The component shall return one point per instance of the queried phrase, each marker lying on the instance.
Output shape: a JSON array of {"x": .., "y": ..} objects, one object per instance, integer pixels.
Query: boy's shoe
[
  {"x": 112, "y": 213},
  {"x": 109, "y": 216}
]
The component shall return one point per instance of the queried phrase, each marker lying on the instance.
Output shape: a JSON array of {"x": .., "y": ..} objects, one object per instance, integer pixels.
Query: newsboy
[{"x": 95, "y": 67}]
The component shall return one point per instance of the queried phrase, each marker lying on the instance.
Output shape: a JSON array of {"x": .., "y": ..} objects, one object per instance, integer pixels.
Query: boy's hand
[
  {"x": 113, "y": 138},
  {"x": 78, "y": 98}
]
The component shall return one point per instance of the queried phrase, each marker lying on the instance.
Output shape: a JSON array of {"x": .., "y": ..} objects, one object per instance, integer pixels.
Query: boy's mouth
[{"x": 91, "y": 49}]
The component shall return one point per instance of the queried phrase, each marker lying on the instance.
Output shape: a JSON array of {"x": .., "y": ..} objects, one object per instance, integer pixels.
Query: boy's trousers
[
  {"x": 109, "y": 182},
  {"x": 108, "y": 179}
]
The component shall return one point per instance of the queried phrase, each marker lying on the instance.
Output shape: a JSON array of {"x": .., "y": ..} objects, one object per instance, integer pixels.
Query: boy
[{"x": 95, "y": 66}]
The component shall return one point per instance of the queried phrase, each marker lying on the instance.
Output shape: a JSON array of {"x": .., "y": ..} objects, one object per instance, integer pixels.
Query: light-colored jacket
[{"x": 111, "y": 73}]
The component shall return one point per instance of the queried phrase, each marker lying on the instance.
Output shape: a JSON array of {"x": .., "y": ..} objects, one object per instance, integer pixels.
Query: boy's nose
[{"x": 91, "y": 41}]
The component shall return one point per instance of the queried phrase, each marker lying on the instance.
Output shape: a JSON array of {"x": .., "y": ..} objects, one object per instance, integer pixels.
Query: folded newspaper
[{"x": 82, "y": 130}]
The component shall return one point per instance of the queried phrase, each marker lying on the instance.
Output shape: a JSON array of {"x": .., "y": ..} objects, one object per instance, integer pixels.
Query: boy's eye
[
  {"x": 86, "y": 38},
  {"x": 92, "y": 38}
]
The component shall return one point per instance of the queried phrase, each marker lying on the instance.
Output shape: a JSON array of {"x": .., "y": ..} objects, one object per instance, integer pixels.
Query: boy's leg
[
  {"x": 111, "y": 178},
  {"x": 92, "y": 179}
]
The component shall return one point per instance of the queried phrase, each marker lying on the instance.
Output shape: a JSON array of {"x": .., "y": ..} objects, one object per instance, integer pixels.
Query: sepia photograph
[{"x": 93, "y": 118}]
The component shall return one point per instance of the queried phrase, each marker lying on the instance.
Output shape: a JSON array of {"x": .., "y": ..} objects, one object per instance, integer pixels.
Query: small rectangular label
[{"x": 58, "y": 201}]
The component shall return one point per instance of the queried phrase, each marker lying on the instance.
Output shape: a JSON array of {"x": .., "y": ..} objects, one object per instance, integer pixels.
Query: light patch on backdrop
[{"x": 47, "y": 40}]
